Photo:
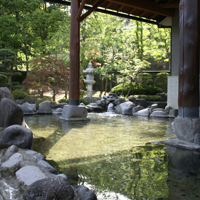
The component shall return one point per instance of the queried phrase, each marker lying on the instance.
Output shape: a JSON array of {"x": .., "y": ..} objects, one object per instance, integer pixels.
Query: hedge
[{"x": 136, "y": 89}]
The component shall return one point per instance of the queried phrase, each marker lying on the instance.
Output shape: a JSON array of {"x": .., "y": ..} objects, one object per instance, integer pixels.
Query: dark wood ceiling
[{"x": 155, "y": 10}]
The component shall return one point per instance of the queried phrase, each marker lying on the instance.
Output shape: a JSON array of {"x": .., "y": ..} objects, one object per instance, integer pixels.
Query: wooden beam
[
  {"x": 107, "y": 5},
  {"x": 146, "y": 6},
  {"x": 142, "y": 13},
  {"x": 119, "y": 8},
  {"x": 91, "y": 10},
  {"x": 131, "y": 11},
  {"x": 169, "y": 5},
  {"x": 94, "y": 2},
  {"x": 80, "y": 10},
  {"x": 153, "y": 16}
]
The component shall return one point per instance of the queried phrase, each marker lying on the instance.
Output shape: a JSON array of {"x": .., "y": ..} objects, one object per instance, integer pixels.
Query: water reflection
[{"x": 112, "y": 155}]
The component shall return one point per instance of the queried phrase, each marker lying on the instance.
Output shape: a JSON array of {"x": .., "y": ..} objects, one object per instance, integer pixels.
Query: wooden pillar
[
  {"x": 74, "y": 72},
  {"x": 188, "y": 99}
]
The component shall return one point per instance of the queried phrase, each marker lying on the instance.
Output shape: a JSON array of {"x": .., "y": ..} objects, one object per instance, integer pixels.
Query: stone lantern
[{"x": 89, "y": 81}]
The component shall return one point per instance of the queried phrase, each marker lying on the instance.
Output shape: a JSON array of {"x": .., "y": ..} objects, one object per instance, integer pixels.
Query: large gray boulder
[
  {"x": 119, "y": 100},
  {"x": 28, "y": 109},
  {"x": 49, "y": 189},
  {"x": 28, "y": 175},
  {"x": 17, "y": 135},
  {"x": 44, "y": 108},
  {"x": 5, "y": 93},
  {"x": 71, "y": 111},
  {"x": 136, "y": 109},
  {"x": 10, "y": 113},
  {"x": 186, "y": 128},
  {"x": 125, "y": 108},
  {"x": 159, "y": 113},
  {"x": 144, "y": 112},
  {"x": 141, "y": 102}
]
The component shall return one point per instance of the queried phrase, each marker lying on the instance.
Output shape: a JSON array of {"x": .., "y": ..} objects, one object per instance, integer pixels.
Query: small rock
[
  {"x": 39, "y": 156},
  {"x": 136, "y": 109},
  {"x": 9, "y": 152},
  {"x": 84, "y": 193},
  {"x": 173, "y": 113},
  {"x": 141, "y": 102},
  {"x": 119, "y": 100},
  {"x": 168, "y": 108},
  {"x": 13, "y": 163},
  {"x": 159, "y": 113},
  {"x": 153, "y": 106},
  {"x": 58, "y": 111},
  {"x": 45, "y": 165}
]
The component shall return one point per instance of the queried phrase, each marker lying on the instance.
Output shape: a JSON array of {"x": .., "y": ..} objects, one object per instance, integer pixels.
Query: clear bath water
[{"x": 118, "y": 156}]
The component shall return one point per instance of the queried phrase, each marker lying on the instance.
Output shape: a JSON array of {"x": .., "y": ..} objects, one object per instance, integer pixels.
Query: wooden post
[
  {"x": 188, "y": 99},
  {"x": 74, "y": 72}
]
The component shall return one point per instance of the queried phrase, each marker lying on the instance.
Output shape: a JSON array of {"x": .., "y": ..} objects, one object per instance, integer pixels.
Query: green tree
[
  {"x": 15, "y": 26},
  {"x": 27, "y": 26},
  {"x": 8, "y": 62},
  {"x": 47, "y": 72}
]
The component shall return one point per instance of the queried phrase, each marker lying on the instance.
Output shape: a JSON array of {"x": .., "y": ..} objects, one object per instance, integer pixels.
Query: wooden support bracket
[
  {"x": 98, "y": 3},
  {"x": 80, "y": 10}
]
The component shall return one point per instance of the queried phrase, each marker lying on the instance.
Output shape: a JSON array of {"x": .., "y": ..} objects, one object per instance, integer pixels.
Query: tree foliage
[
  {"x": 47, "y": 72},
  {"x": 8, "y": 61},
  {"x": 35, "y": 29}
]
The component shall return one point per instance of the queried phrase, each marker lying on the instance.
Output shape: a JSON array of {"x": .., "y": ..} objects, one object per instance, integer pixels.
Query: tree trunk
[
  {"x": 106, "y": 86},
  {"x": 122, "y": 92},
  {"x": 54, "y": 95},
  {"x": 129, "y": 87},
  {"x": 101, "y": 87},
  {"x": 66, "y": 91}
]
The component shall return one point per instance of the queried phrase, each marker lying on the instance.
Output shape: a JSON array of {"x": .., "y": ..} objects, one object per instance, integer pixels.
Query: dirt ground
[{"x": 61, "y": 94}]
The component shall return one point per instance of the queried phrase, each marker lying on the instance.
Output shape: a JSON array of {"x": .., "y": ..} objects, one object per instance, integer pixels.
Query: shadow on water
[
  {"x": 49, "y": 124},
  {"x": 113, "y": 156}
]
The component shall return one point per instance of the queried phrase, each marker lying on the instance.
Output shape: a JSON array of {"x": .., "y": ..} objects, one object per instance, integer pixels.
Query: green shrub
[
  {"x": 83, "y": 93},
  {"x": 19, "y": 94},
  {"x": 82, "y": 100},
  {"x": 135, "y": 89},
  {"x": 63, "y": 101},
  {"x": 147, "y": 97},
  {"x": 161, "y": 80}
]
